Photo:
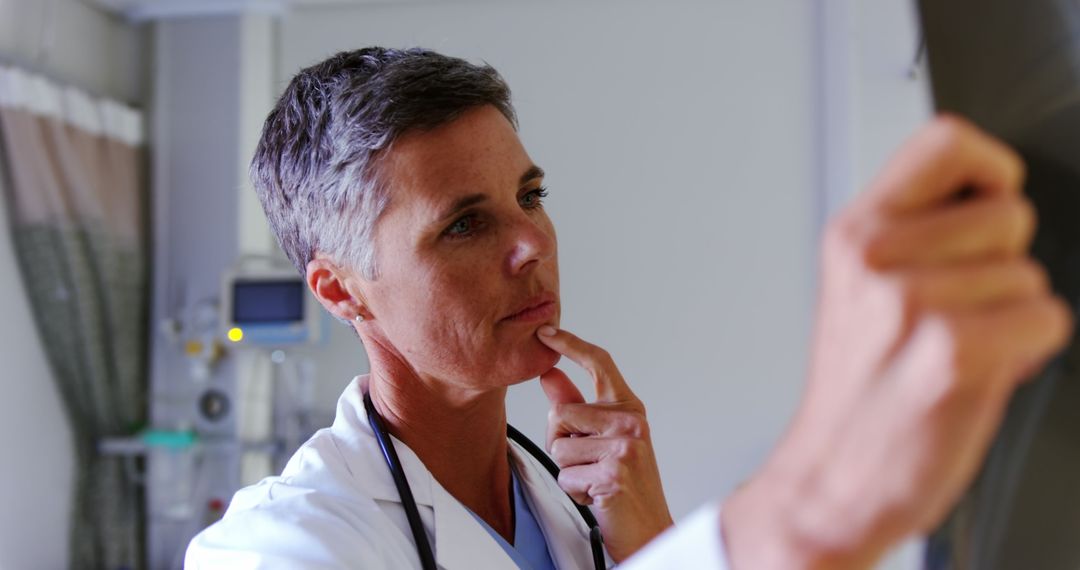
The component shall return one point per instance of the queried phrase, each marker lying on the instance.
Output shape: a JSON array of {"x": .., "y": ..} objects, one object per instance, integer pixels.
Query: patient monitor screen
[{"x": 268, "y": 301}]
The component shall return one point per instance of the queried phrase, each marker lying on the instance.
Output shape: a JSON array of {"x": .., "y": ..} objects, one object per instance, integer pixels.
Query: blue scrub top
[{"x": 530, "y": 549}]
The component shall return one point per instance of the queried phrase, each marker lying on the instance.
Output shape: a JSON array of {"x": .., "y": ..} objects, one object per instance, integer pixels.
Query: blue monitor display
[{"x": 268, "y": 301}]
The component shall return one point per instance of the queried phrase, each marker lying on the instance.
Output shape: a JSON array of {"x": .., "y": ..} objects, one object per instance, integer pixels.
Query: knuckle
[
  {"x": 558, "y": 451},
  {"x": 629, "y": 451},
  {"x": 1063, "y": 311},
  {"x": 632, "y": 425},
  {"x": 566, "y": 482},
  {"x": 1025, "y": 220},
  {"x": 948, "y": 334},
  {"x": 954, "y": 376},
  {"x": 940, "y": 334},
  {"x": 557, "y": 413},
  {"x": 949, "y": 132},
  {"x": 618, "y": 475},
  {"x": 843, "y": 231},
  {"x": 1067, "y": 323},
  {"x": 899, "y": 296},
  {"x": 605, "y": 502},
  {"x": 1034, "y": 274},
  {"x": 577, "y": 490},
  {"x": 852, "y": 237},
  {"x": 948, "y": 120},
  {"x": 1059, "y": 320},
  {"x": 905, "y": 290},
  {"x": 901, "y": 506},
  {"x": 601, "y": 357},
  {"x": 1014, "y": 165},
  {"x": 873, "y": 252},
  {"x": 611, "y": 472},
  {"x": 953, "y": 135},
  {"x": 639, "y": 427}
]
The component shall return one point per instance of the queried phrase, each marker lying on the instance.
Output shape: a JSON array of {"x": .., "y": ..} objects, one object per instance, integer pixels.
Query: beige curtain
[{"x": 77, "y": 203}]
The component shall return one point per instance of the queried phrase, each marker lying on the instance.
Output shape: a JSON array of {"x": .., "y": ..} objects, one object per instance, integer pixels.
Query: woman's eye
[
  {"x": 461, "y": 228},
  {"x": 535, "y": 198}
]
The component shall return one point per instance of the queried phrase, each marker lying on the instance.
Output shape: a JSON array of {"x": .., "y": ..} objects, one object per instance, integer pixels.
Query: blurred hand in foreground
[{"x": 931, "y": 313}]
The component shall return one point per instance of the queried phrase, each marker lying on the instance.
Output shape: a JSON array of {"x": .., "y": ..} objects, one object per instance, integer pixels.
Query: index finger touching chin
[{"x": 610, "y": 385}]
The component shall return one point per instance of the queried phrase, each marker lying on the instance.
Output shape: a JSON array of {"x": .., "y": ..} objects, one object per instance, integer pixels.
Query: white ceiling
[{"x": 156, "y": 9}]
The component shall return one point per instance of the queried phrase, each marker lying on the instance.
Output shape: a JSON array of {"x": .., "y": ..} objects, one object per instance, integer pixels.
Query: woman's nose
[{"x": 533, "y": 244}]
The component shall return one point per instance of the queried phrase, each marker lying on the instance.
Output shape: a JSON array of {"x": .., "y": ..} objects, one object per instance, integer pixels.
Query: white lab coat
[{"x": 335, "y": 506}]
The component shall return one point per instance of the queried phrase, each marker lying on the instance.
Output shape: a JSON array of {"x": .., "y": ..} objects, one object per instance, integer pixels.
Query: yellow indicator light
[{"x": 236, "y": 334}]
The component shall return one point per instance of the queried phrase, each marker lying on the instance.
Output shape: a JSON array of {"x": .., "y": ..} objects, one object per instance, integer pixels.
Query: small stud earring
[{"x": 359, "y": 318}]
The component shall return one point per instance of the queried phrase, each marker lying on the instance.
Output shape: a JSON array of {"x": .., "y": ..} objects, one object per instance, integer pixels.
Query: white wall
[
  {"x": 81, "y": 46},
  {"x": 679, "y": 141},
  {"x": 874, "y": 90}
]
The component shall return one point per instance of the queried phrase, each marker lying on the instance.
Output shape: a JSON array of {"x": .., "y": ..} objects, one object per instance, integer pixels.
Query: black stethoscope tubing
[{"x": 412, "y": 513}]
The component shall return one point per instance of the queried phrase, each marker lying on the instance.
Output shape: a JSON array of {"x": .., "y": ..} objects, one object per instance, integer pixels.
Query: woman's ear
[{"x": 331, "y": 286}]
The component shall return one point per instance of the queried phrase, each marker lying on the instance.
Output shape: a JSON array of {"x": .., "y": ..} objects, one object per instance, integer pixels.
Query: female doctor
[{"x": 396, "y": 183}]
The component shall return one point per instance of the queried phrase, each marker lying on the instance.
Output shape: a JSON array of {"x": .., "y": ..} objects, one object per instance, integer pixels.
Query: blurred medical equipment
[
  {"x": 267, "y": 304},
  {"x": 247, "y": 403},
  {"x": 265, "y": 308}
]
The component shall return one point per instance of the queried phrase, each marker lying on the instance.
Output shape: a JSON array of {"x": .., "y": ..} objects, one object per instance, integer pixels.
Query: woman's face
[{"x": 466, "y": 256}]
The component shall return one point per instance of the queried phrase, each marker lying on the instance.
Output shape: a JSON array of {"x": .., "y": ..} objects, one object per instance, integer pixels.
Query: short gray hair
[{"x": 315, "y": 167}]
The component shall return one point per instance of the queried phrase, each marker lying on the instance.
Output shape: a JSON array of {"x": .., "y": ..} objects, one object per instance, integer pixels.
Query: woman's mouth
[{"x": 538, "y": 309}]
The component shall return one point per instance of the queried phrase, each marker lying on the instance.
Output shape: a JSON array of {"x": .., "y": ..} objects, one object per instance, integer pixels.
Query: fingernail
[{"x": 546, "y": 330}]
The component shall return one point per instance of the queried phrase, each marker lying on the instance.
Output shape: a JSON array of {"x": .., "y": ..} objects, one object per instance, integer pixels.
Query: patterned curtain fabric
[{"x": 78, "y": 207}]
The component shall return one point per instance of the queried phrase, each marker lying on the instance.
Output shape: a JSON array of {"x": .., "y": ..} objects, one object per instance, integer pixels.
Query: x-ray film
[{"x": 1013, "y": 67}]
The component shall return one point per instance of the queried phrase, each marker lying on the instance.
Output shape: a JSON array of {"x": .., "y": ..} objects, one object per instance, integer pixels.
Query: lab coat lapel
[
  {"x": 460, "y": 541},
  {"x": 364, "y": 458},
  {"x": 564, "y": 529}
]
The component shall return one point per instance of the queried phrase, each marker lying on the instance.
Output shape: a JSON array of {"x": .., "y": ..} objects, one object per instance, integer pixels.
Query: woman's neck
[{"x": 459, "y": 435}]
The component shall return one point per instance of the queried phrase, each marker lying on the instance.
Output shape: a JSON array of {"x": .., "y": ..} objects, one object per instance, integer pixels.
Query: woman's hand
[
  {"x": 931, "y": 314},
  {"x": 604, "y": 448}
]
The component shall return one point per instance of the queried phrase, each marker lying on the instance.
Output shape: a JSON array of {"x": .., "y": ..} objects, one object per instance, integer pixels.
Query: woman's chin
[{"x": 533, "y": 361}]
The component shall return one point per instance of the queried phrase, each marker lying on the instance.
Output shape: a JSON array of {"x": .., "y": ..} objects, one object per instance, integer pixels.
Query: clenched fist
[{"x": 930, "y": 314}]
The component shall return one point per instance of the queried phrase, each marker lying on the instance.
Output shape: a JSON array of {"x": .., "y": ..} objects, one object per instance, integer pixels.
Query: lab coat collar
[
  {"x": 460, "y": 541},
  {"x": 558, "y": 517},
  {"x": 364, "y": 458}
]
